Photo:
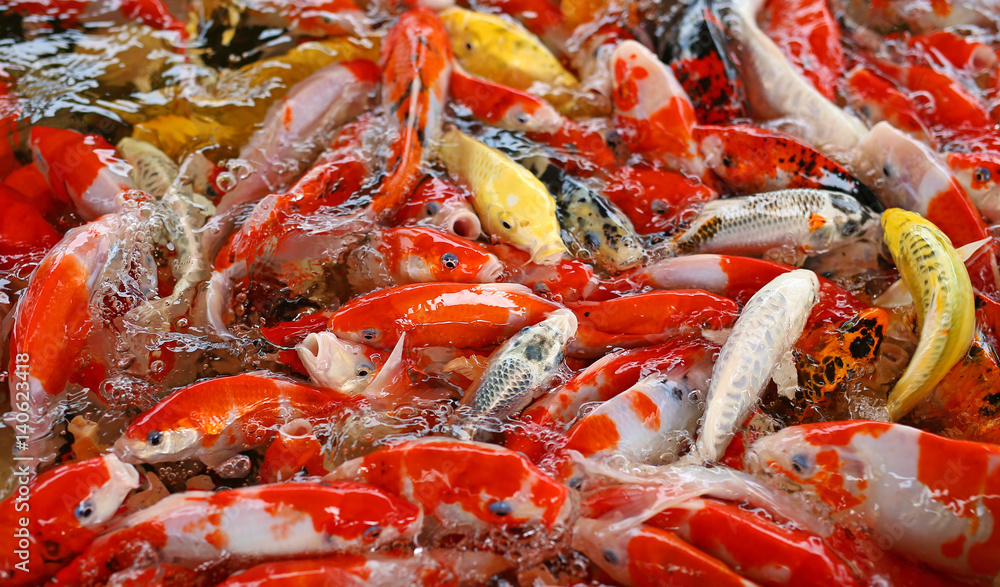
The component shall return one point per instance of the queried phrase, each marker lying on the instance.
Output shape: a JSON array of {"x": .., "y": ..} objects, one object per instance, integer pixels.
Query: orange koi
[
  {"x": 293, "y": 450},
  {"x": 945, "y": 48},
  {"x": 416, "y": 62},
  {"x": 427, "y": 313},
  {"x": 979, "y": 174},
  {"x": 216, "y": 419},
  {"x": 808, "y": 35},
  {"x": 655, "y": 200},
  {"x": 377, "y": 570},
  {"x": 25, "y": 236},
  {"x": 878, "y": 99},
  {"x": 441, "y": 203},
  {"x": 567, "y": 281}
]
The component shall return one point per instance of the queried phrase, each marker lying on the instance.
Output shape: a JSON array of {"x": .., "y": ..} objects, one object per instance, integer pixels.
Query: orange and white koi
[
  {"x": 547, "y": 419},
  {"x": 216, "y": 419},
  {"x": 375, "y": 570},
  {"x": 56, "y": 314},
  {"x": 763, "y": 336},
  {"x": 416, "y": 66},
  {"x": 441, "y": 203},
  {"x": 979, "y": 174},
  {"x": 465, "y": 484},
  {"x": 426, "y": 312},
  {"x": 255, "y": 524},
  {"x": 72, "y": 12},
  {"x": 917, "y": 180},
  {"x": 878, "y": 99},
  {"x": 871, "y": 473},
  {"x": 651, "y": 422},
  {"x": 298, "y": 127},
  {"x": 738, "y": 278},
  {"x": 947, "y": 48},
  {"x": 398, "y": 256},
  {"x": 802, "y": 222},
  {"x": 57, "y": 514},
  {"x": 655, "y": 200},
  {"x": 652, "y": 112},
  {"x": 636, "y": 556},
  {"x": 83, "y": 169}
]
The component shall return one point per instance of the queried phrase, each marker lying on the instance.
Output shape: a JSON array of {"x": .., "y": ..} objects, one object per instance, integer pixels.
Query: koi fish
[
  {"x": 465, "y": 484},
  {"x": 809, "y": 36},
  {"x": 58, "y": 514},
  {"x": 521, "y": 367},
  {"x": 297, "y": 128},
  {"x": 979, "y": 175},
  {"x": 698, "y": 52},
  {"x": 808, "y": 221},
  {"x": 946, "y": 48},
  {"x": 256, "y": 524},
  {"x": 25, "y": 236},
  {"x": 440, "y": 203},
  {"x": 83, "y": 169},
  {"x": 567, "y": 281},
  {"x": 416, "y": 66},
  {"x": 651, "y": 422},
  {"x": 635, "y": 556},
  {"x": 942, "y": 291},
  {"x": 426, "y": 312},
  {"x": 599, "y": 232},
  {"x": 334, "y": 363},
  {"x": 512, "y": 203},
  {"x": 775, "y": 89},
  {"x": 398, "y": 256},
  {"x": 216, "y": 419},
  {"x": 374, "y": 570},
  {"x": 655, "y": 200},
  {"x": 293, "y": 450},
  {"x": 57, "y": 312},
  {"x": 871, "y": 473},
  {"x": 752, "y": 160},
  {"x": 878, "y": 99},
  {"x": 771, "y": 322},
  {"x": 917, "y": 180},
  {"x": 319, "y": 18},
  {"x": 152, "y": 170},
  {"x": 497, "y": 49}
]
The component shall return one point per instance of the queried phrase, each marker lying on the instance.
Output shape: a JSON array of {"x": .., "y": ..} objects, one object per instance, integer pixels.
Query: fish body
[
  {"x": 809, "y": 36},
  {"x": 873, "y": 473},
  {"x": 152, "y": 170},
  {"x": 416, "y": 66},
  {"x": 655, "y": 200},
  {"x": 502, "y": 51},
  {"x": 943, "y": 298},
  {"x": 522, "y": 366},
  {"x": 512, "y": 203},
  {"x": 297, "y": 128},
  {"x": 878, "y": 99},
  {"x": 599, "y": 232},
  {"x": 69, "y": 506},
  {"x": 649, "y": 423},
  {"x": 216, "y": 419},
  {"x": 804, "y": 220},
  {"x": 256, "y": 524},
  {"x": 374, "y": 570},
  {"x": 427, "y": 313},
  {"x": 468, "y": 484},
  {"x": 83, "y": 169},
  {"x": 771, "y": 322}
]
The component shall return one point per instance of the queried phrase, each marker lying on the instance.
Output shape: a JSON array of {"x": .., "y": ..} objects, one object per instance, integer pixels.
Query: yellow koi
[
  {"x": 942, "y": 291},
  {"x": 512, "y": 203}
]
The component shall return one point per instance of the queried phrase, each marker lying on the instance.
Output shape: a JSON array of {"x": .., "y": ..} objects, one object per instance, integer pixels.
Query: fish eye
[
  {"x": 850, "y": 227},
  {"x": 365, "y": 370},
  {"x": 468, "y": 46},
  {"x": 450, "y": 260},
  {"x": 982, "y": 174},
  {"x": 886, "y": 171},
  {"x": 432, "y": 208},
  {"x": 369, "y": 334},
  {"x": 155, "y": 437},
  {"x": 800, "y": 463},
  {"x": 500, "y": 508},
  {"x": 507, "y": 225},
  {"x": 84, "y": 510},
  {"x": 611, "y": 557},
  {"x": 727, "y": 161},
  {"x": 372, "y": 533}
]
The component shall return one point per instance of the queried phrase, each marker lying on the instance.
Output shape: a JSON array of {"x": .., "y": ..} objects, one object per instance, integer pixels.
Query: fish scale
[{"x": 942, "y": 292}]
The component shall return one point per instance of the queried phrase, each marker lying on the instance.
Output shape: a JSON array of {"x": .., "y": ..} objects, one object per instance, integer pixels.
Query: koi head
[
  {"x": 72, "y": 503},
  {"x": 538, "y": 238},
  {"x": 979, "y": 174},
  {"x": 342, "y": 365},
  {"x": 423, "y": 254},
  {"x": 145, "y": 441},
  {"x": 845, "y": 220}
]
